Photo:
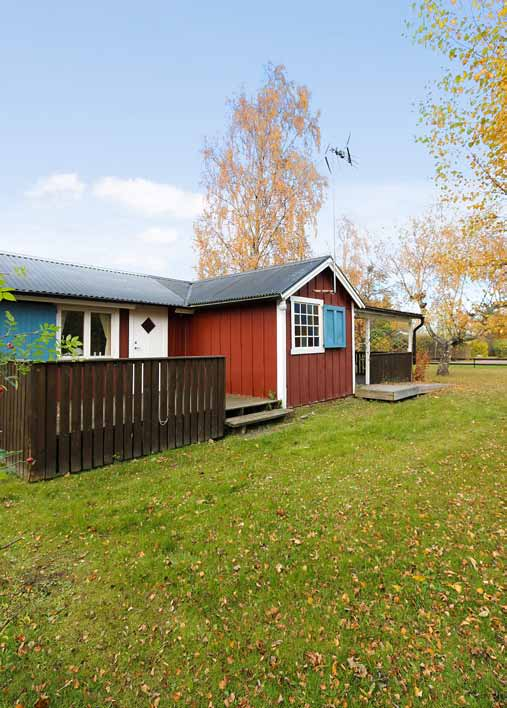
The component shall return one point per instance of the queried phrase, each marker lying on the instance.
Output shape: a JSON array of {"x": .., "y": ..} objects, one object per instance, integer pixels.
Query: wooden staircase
[{"x": 244, "y": 411}]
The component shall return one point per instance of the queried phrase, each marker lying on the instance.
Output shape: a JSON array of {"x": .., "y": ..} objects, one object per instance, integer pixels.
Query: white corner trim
[
  {"x": 353, "y": 339},
  {"x": 281, "y": 352},
  {"x": 340, "y": 275}
]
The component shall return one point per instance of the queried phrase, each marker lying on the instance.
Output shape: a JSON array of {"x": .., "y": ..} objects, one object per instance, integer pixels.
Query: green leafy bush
[{"x": 479, "y": 348}]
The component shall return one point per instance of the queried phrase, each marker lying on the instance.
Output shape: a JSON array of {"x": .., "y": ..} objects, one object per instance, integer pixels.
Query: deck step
[
  {"x": 241, "y": 404},
  {"x": 242, "y": 421}
]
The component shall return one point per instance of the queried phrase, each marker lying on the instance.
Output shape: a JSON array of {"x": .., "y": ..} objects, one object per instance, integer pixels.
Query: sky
[{"x": 105, "y": 107}]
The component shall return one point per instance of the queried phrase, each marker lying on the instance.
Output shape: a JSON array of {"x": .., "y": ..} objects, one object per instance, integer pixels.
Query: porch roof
[{"x": 387, "y": 314}]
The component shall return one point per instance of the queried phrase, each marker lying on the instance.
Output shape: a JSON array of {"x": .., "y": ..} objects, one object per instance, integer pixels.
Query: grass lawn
[{"x": 350, "y": 557}]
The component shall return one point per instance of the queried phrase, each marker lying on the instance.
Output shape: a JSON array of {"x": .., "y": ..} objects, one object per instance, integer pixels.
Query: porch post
[
  {"x": 353, "y": 318},
  {"x": 410, "y": 335},
  {"x": 281, "y": 352},
  {"x": 367, "y": 351}
]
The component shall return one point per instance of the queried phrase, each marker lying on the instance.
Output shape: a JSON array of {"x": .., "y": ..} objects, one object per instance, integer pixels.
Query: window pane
[
  {"x": 73, "y": 325},
  {"x": 100, "y": 334}
]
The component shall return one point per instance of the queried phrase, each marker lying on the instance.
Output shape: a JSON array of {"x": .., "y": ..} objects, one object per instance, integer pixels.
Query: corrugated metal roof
[
  {"x": 44, "y": 277},
  {"x": 265, "y": 282},
  {"x": 31, "y": 275}
]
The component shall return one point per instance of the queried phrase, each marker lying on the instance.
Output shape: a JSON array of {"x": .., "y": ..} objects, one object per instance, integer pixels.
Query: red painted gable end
[{"x": 320, "y": 377}]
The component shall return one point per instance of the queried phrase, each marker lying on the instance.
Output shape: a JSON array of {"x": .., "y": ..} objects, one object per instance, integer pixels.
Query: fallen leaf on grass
[{"x": 359, "y": 669}]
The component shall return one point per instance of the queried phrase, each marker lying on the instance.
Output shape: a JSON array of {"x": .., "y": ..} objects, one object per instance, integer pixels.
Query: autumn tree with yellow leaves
[
  {"x": 262, "y": 187},
  {"x": 455, "y": 276},
  {"x": 465, "y": 114}
]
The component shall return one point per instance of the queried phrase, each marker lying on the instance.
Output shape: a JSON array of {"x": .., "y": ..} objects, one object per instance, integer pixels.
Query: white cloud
[
  {"x": 62, "y": 184},
  {"x": 150, "y": 198},
  {"x": 158, "y": 235}
]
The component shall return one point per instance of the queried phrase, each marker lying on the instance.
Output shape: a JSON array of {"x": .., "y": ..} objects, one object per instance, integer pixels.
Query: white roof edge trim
[{"x": 342, "y": 278}]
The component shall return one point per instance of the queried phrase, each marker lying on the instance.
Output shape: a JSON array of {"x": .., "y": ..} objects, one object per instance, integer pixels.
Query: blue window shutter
[
  {"x": 329, "y": 327},
  {"x": 335, "y": 332}
]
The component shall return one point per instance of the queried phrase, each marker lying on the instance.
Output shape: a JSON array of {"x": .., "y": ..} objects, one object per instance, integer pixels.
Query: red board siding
[
  {"x": 320, "y": 377},
  {"x": 124, "y": 333},
  {"x": 178, "y": 326},
  {"x": 245, "y": 334}
]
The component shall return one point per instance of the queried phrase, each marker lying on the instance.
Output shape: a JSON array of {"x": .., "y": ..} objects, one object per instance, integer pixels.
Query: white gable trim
[{"x": 340, "y": 276}]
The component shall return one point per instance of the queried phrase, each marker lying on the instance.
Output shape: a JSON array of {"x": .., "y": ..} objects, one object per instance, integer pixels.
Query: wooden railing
[
  {"x": 360, "y": 363},
  {"x": 72, "y": 416},
  {"x": 385, "y": 367},
  {"x": 390, "y": 367}
]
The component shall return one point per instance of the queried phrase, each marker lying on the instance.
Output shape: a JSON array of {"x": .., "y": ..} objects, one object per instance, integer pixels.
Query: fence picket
[
  {"x": 138, "y": 409},
  {"x": 118, "y": 409},
  {"x": 155, "y": 406},
  {"x": 163, "y": 417},
  {"x": 146, "y": 407},
  {"x": 87, "y": 431},
  {"x": 178, "y": 390},
  {"x": 64, "y": 420},
  {"x": 98, "y": 415},
  {"x": 38, "y": 423},
  {"x": 171, "y": 410},
  {"x": 75, "y": 417},
  {"x": 127, "y": 426}
]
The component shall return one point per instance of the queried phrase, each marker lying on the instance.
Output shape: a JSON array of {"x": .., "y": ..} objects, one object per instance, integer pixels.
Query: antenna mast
[{"x": 340, "y": 154}]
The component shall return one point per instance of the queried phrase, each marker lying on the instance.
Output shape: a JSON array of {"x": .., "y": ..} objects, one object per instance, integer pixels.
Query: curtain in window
[{"x": 105, "y": 321}]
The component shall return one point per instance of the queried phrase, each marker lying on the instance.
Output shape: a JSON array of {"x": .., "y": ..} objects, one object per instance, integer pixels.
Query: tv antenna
[{"x": 340, "y": 154}]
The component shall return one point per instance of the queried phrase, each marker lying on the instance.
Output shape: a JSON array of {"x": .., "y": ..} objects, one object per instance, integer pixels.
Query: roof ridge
[{"x": 257, "y": 270}]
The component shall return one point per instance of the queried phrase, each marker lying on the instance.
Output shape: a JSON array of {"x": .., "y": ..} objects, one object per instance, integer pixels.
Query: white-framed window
[
  {"x": 97, "y": 328},
  {"x": 306, "y": 320}
]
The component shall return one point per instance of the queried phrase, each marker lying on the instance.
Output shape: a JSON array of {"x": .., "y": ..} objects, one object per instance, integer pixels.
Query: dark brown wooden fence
[
  {"x": 14, "y": 418},
  {"x": 360, "y": 363},
  {"x": 73, "y": 416},
  {"x": 387, "y": 367}
]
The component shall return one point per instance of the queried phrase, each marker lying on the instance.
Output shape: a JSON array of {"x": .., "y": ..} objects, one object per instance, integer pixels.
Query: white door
[{"x": 148, "y": 332}]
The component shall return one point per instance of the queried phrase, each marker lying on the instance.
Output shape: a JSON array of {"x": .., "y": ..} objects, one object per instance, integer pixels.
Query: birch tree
[{"x": 262, "y": 187}]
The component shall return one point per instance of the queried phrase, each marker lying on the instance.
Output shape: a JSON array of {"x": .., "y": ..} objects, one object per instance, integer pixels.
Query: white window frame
[
  {"x": 307, "y": 350},
  {"x": 87, "y": 311}
]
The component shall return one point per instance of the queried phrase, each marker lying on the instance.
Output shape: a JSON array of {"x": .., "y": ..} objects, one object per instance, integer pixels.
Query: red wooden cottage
[{"x": 287, "y": 331}]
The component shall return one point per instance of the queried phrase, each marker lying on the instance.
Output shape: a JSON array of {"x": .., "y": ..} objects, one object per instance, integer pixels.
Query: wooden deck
[
  {"x": 236, "y": 402},
  {"x": 396, "y": 391}
]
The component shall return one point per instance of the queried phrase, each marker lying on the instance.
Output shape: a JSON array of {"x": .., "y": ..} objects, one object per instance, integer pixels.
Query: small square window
[
  {"x": 306, "y": 324},
  {"x": 148, "y": 325}
]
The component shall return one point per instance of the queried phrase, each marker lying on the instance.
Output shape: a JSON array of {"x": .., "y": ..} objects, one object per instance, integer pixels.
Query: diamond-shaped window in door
[{"x": 148, "y": 325}]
